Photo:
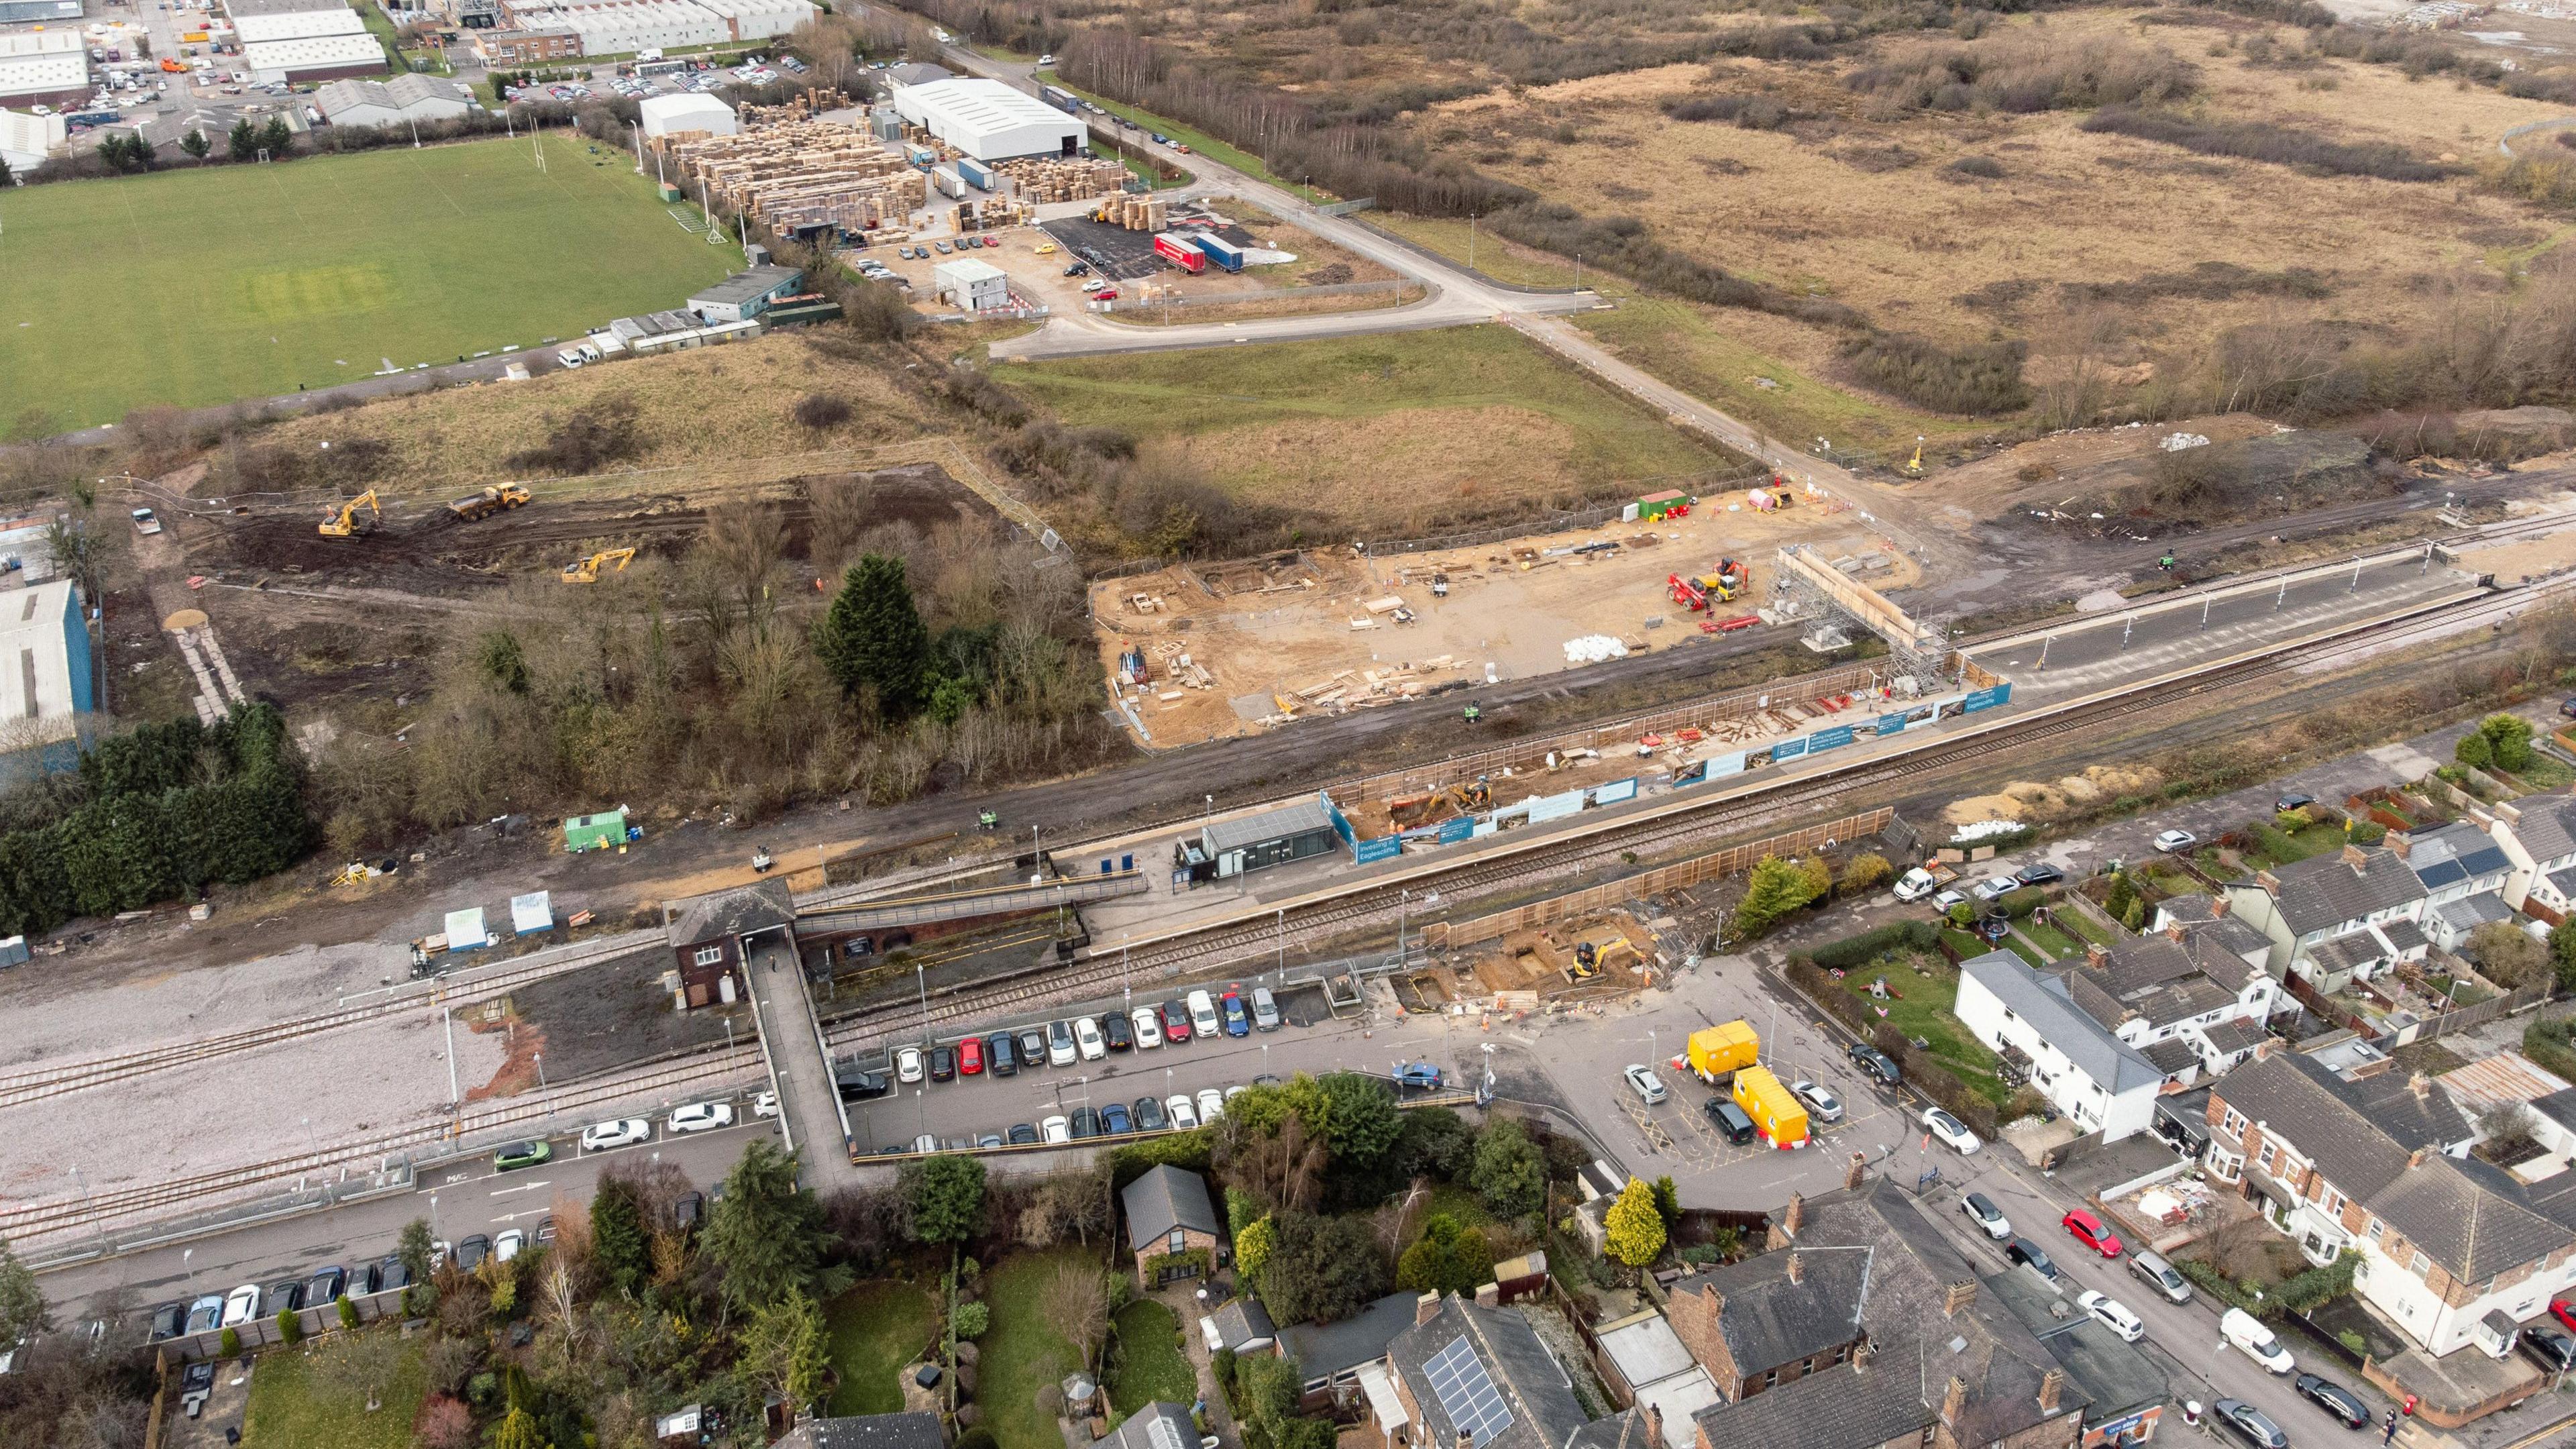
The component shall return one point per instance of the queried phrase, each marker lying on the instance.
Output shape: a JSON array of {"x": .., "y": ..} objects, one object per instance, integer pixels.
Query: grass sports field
[{"x": 199, "y": 287}]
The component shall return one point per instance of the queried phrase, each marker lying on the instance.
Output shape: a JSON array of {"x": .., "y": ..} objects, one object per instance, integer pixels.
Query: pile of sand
[{"x": 2039, "y": 801}]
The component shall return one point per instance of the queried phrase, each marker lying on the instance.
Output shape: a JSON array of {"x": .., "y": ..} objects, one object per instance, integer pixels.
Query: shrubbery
[
  {"x": 2028, "y": 78},
  {"x": 2261, "y": 141},
  {"x": 1981, "y": 379},
  {"x": 1869, "y": 945}
]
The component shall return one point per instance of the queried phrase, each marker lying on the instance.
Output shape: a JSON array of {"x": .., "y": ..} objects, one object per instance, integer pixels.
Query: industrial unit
[
  {"x": 619, "y": 27},
  {"x": 405, "y": 98},
  {"x": 43, "y": 68},
  {"x": 745, "y": 295},
  {"x": 525, "y": 47},
  {"x": 45, "y": 667},
  {"x": 970, "y": 285},
  {"x": 685, "y": 114},
  {"x": 26, "y": 141},
  {"x": 297, "y": 25},
  {"x": 314, "y": 58},
  {"x": 989, "y": 120}
]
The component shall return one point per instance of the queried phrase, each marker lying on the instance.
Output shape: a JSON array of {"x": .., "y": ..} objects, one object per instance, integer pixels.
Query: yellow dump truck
[
  {"x": 1775, "y": 1112},
  {"x": 1719, "y": 1052}
]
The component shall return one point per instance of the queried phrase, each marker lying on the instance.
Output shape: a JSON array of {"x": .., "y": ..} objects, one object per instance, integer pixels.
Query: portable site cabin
[
  {"x": 1251, "y": 842},
  {"x": 1775, "y": 1112},
  {"x": 1656, "y": 505},
  {"x": 595, "y": 832},
  {"x": 1718, "y": 1052}
]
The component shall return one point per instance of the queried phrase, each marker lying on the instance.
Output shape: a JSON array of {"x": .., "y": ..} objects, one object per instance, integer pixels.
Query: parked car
[
  {"x": 1084, "y": 1123},
  {"x": 1086, "y": 1037},
  {"x": 986, "y": 1141},
  {"x": 686, "y": 1209},
  {"x": 1265, "y": 1010},
  {"x": 1412, "y": 1074},
  {"x": 1057, "y": 1130},
  {"x": 1876, "y": 1065},
  {"x": 241, "y": 1305},
  {"x": 1942, "y": 901},
  {"x": 765, "y": 1106},
  {"x": 943, "y": 1063},
  {"x": 2564, "y": 1310},
  {"x": 1915, "y": 884},
  {"x": 2245, "y": 1331},
  {"x": 1149, "y": 1115},
  {"x": 907, "y": 1065},
  {"x": 2250, "y": 1424},
  {"x": 1149, "y": 1032},
  {"x": 2294, "y": 800},
  {"x": 388, "y": 1274},
  {"x": 858, "y": 1086},
  {"x": 970, "y": 1057},
  {"x": 1822, "y": 1105},
  {"x": 1994, "y": 888},
  {"x": 288, "y": 1295},
  {"x": 2175, "y": 842},
  {"x": 521, "y": 1154},
  {"x": 2112, "y": 1314},
  {"x": 1176, "y": 1021},
  {"x": 2088, "y": 1230},
  {"x": 1182, "y": 1114},
  {"x": 2039, "y": 873},
  {"x": 1203, "y": 1019},
  {"x": 942, "y": 248},
  {"x": 699, "y": 1117},
  {"x": 1729, "y": 1119},
  {"x": 2339, "y": 1401},
  {"x": 1952, "y": 1132},
  {"x": 1060, "y": 1048},
  {"x": 169, "y": 1321},
  {"x": 2552, "y": 1348},
  {"x": 1114, "y": 1121},
  {"x": 1023, "y": 1134},
  {"x": 1989, "y": 1219},
  {"x": 1115, "y": 1031},
  {"x": 624, "y": 1132},
  {"x": 472, "y": 1251},
  {"x": 1033, "y": 1046},
  {"x": 1211, "y": 1105},
  {"x": 206, "y": 1314},
  {"x": 2168, "y": 1279},
  {"x": 1645, "y": 1084},
  {"x": 2032, "y": 1256},
  {"x": 1238, "y": 1022},
  {"x": 1002, "y": 1058}
]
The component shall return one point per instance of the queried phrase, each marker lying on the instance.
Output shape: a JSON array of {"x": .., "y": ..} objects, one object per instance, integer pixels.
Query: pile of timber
[
  {"x": 1044, "y": 181},
  {"x": 800, "y": 174}
]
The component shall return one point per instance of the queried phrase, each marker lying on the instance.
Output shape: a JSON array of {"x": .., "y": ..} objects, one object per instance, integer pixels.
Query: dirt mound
[{"x": 2038, "y": 802}]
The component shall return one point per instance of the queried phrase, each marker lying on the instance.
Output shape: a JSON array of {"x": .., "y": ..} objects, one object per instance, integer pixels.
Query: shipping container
[
  {"x": 948, "y": 182},
  {"x": 1222, "y": 252},
  {"x": 1060, "y": 98},
  {"x": 1656, "y": 505},
  {"x": 975, "y": 173},
  {"x": 596, "y": 832},
  {"x": 1776, "y": 1113},
  {"x": 1181, "y": 252},
  {"x": 1719, "y": 1051}
]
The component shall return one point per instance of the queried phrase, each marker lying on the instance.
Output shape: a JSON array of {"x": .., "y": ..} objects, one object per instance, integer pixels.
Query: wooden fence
[{"x": 1733, "y": 860}]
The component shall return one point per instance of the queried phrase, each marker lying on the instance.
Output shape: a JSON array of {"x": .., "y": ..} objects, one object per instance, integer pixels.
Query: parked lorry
[
  {"x": 1222, "y": 252},
  {"x": 1061, "y": 99},
  {"x": 1717, "y": 1053},
  {"x": 976, "y": 174},
  {"x": 498, "y": 498},
  {"x": 949, "y": 183},
  {"x": 1776, "y": 1112},
  {"x": 1181, "y": 252}
]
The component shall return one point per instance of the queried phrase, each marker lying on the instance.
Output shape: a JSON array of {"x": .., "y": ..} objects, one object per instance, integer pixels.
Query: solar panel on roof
[{"x": 1467, "y": 1393}]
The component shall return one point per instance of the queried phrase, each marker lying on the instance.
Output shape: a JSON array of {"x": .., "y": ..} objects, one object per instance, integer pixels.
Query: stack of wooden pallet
[
  {"x": 1045, "y": 181},
  {"x": 800, "y": 174},
  {"x": 1137, "y": 213},
  {"x": 798, "y": 108}
]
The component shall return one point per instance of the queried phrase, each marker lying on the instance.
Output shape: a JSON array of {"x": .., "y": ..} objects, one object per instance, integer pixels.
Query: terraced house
[
  {"x": 2334, "y": 917},
  {"x": 2448, "y": 1243}
]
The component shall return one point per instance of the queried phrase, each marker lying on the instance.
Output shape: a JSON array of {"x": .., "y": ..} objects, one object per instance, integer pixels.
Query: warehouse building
[
  {"x": 622, "y": 27},
  {"x": 314, "y": 58},
  {"x": 297, "y": 25},
  {"x": 990, "y": 121},
  {"x": 972, "y": 286},
  {"x": 672, "y": 115},
  {"x": 404, "y": 100},
  {"x": 760, "y": 19},
  {"x": 44, "y": 669},
  {"x": 38, "y": 12},
  {"x": 26, "y": 141},
  {"x": 241, "y": 10},
  {"x": 43, "y": 68},
  {"x": 745, "y": 295}
]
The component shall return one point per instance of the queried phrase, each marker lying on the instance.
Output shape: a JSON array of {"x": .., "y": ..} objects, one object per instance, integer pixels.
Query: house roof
[
  {"x": 736, "y": 912},
  {"x": 2350, "y": 951},
  {"x": 2045, "y": 1003},
  {"x": 748, "y": 286},
  {"x": 2345, "y": 885},
  {"x": 2547, "y": 828},
  {"x": 2114, "y": 1376},
  {"x": 1159, "y": 1425},
  {"x": 915, "y": 1430},
  {"x": 1833, "y": 1408},
  {"x": 2564, "y": 881},
  {"x": 1623, "y": 1430},
  {"x": 2455, "y": 853},
  {"x": 2233, "y": 1035},
  {"x": 1646, "y": 1350},
  {"x": 2470, "y": 912},
  {"x": 2404, "y": 935},
  {"x": 1301, "y": 817},
  {"x": 1523, "y": 1398},
  {"x": 2190, "y": 908},
  {"x": 1679, "y": 1397},
  {"x": 1242, "y": 1320},
  {"x": 2558, "y": 1107},
  {"x": 1768, "y": 1320},
  {"x": 2171, "y": 1055},
  {"x": 1325, "y": 1349},
  {"x": 2158, "y": 978},
  {"x": 2468, "y": 1217},
  {"x": 2231, "y": 935},
  {"x": 1166, "y": 1197}
]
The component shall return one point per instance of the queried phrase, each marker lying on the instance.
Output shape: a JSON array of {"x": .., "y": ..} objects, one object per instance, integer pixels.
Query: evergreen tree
[
  {"x": 196, "y": 144},
  {"x": 1668, "y": 1202},
  {"x": 1775, "y": 888},
  {"x": 873, "y": 641},
  {"x": 1510, "y": 1173},
  {"x": 277, "y": 138},
  {"x": 518, "y": 1430},
  {"x": 243, "y": 143},
  {"x": 782, "y": 1348},
  {"x": 1634, "y": 1230},
  {"x": 617, "y": 1238},
  {"x": 947, "y": 1197},
  {"x": 766, "y": 1233},
  {"x": 6, "y": 175},
  {"x": 22, "y": 1303},
  {"x": 1447, "y": 1258}
]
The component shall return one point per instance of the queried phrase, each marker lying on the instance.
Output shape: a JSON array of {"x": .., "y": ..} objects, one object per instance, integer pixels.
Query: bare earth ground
[{"x": 1258, "y": 644}]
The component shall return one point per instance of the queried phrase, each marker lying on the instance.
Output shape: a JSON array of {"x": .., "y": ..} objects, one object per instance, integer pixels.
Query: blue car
[
  {"x": 1418, "y": 1074},
  {"x": 1114, "y": 1120},
  {"x": 1238, "y": 1022}
]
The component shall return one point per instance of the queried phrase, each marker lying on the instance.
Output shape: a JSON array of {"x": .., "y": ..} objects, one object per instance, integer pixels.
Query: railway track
[
  {"x": 668, "y": 1082},
  {"x": 34, "y": 1084}
]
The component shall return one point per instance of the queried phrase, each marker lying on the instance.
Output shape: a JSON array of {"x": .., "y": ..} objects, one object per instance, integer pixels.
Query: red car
[
  {"x": 2564, "y": 1310},
  {"x": 970, "y": 1059},
  {"x": 1176, "y": 1021},
  {"x": 2089, "y": 1231}
]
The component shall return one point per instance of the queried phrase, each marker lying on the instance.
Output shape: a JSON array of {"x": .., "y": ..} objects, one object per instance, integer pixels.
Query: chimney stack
[
  {"x": 2097, "y": 955},
  {"x": 2416, "y": 1157},
  {"x": 1856, "y": 1171},
  {"x": 2401, "y": 846},
  {"x": 1426, "y": 1308},
  {"x": 2218, "y": 905},
  {"x": 1796, "y": 1217},
  {"x": 2052, "y": 1387},
  {"x": 2421, "y": 1085},
  {"x": 1797, "y": 1266},
  {"x": 1862, "y": 1353},
  {"x": 1954, "y": 1400},
  {"x": 1959, "y": 1295},
  {"x": 1654, "y": 1425},
  {"x": 2270, "y": 883},
  {"x": 2353, "y": 856},
  {"x": 2174, "y": 931}
]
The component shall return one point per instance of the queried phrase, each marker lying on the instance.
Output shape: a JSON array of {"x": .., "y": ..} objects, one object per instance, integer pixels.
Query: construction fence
[{"x": 1681, "y": 875}]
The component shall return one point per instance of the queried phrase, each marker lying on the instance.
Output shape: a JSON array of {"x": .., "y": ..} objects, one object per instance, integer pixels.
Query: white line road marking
[{"x": 523, "y": 1187}]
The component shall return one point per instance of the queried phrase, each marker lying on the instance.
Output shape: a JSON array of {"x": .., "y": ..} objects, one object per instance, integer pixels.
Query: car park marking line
[{"x": 523, "y": 1187}]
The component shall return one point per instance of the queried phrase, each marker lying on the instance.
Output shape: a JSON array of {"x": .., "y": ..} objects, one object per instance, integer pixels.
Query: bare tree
[
  {"x": 359, "y": 1363},
  {"x": 1077, "y": 1304}
]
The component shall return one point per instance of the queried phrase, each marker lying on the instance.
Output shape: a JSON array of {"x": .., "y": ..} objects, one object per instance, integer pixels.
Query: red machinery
[{"x": 1687, "y": 594}]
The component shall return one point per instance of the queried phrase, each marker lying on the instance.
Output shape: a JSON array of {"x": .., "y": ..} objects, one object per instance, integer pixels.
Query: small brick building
[
  {"x": 1168, "y": 1214},
  {"x": 712, "y": 936}
]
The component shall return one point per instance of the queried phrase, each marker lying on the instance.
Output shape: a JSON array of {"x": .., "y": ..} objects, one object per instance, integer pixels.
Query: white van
[
  {"x": 2245, "y": 1331},
  {"x": 1203, "y": 1017}
]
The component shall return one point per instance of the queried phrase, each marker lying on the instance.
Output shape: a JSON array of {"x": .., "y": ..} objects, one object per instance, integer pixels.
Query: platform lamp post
[{"x": 921, "y": 982}]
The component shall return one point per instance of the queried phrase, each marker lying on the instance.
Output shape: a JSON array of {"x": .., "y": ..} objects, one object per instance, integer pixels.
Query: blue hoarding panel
[
  {"x": 1385, "y": 847},
  {"x": 1890, "y": 724},
  {"x": 1788, "y": 750},
  {"x": 1615, "y": 791},
  {"x": 1988, "y": 698},
  {"x": 1726, "y": 765},
  {"x": 1461, "y": 828},
  {"x": 1829, "y": 739}
]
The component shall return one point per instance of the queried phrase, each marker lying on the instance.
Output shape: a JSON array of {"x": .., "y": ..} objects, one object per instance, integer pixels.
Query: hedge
[
  {"x": 1869, "y": 945},
  {"x": 1199, "y": 1258},
  {"x": 2020, "y": 903},
  {"x": 2298, "y": 1293},
  {"x": 1192, "y": 1151}
]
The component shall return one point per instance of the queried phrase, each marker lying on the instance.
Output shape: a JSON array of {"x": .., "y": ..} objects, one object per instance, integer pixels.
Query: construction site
[{"x": 1208, "y": 651}]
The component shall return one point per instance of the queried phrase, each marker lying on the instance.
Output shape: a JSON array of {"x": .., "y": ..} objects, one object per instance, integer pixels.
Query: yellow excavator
[
  {"x": 614, "y": 560},
  {"x": 343, "y": 522}
]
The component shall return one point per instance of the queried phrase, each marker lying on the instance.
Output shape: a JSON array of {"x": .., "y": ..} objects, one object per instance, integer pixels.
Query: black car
[
  {"x": 471, "y": 1252},
  {"x": 686, "y": 1211},
  {"x": 943, "y": 1064},
  {"x": 287, "y": 1295},
  {"x": 2023, "y": 1250},
  {"x": 1114, "y": 1028},
  {"x": 1024, "y": 1134},
  {"x": 1149, "y": 1115},
  {"x": 858, "y": 1086},
  {"x": 1085, "y": 1123},
  {"x": 1001, "y": 1057},
  {"x": 167, "y": 1320},
  {"x": 2250, "y": 1423},
  {"x": 2039, "y": 873},
  {"x": 2552, "y": 1348},
  {"x": 388, "y": 1274},
  {"x": 1877, "y": 1065},
  {"x": 2334, "y": 1398},
  {"x": 2294, "y": 800},
  {"x": 1033, "y": 1053},
  {"x": 326, "y": 1285}
]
